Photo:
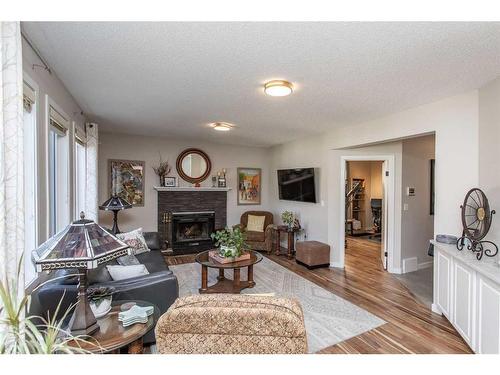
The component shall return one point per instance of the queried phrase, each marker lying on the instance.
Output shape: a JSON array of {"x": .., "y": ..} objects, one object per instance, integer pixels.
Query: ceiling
[{"x": 171, "y": 79}]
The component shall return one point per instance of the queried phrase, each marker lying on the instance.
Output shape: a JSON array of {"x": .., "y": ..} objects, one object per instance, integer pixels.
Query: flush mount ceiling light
[
  {"x": 278, "y": 88},
  {"x": 221, "y": 126}
]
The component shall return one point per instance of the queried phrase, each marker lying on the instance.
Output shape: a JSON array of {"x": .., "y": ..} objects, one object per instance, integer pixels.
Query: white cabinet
[
  {"x": 467, "y": 292},
  {"x": 443, "y": 289},
  {"x": 463, "y": 301},
  {"x": 488, "y": 311}
]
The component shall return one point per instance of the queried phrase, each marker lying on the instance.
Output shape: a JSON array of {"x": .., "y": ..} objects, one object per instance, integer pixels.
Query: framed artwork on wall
[
  {"x": 127, "y": 179},
  {"x": 249, "y": 184}
]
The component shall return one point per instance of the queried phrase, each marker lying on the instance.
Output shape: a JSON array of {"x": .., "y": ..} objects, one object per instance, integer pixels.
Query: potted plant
[
  {"x": 100, "y": 299},
  {"x": 231, "y": 242},
  {"x": 288, "y": 218},
  {"x": 162, "y": 170},
  {"x": 24, "y": 334}
]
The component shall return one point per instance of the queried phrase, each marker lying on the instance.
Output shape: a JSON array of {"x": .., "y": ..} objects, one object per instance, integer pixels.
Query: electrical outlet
[{"x": 405, "y": 207}]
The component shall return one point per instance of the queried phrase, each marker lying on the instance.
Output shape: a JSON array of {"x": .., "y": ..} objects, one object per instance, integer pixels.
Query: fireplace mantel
[{"x": 189, "y": 188}]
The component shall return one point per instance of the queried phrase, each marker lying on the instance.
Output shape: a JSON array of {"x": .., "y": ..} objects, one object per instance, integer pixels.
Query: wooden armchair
[{"x": 261, "y": 241}]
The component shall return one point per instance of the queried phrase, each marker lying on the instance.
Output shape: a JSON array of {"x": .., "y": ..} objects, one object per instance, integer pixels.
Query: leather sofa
[
  {"x": 261, "y": 241},
  {"x": 160, "y": 287}
]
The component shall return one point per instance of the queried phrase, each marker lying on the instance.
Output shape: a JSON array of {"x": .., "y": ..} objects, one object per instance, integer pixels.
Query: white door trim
[{"x": 389, "y": 196}]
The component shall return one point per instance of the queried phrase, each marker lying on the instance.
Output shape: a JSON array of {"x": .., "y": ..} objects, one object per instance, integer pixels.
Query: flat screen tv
[{"x": 297, "y": 185}]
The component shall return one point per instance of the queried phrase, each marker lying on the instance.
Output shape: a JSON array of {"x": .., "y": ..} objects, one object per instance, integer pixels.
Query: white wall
[
  {"x": 48, "y": 84},
  {"x": 455, "y": 123},
  {"x": 489, "y": 151},
  {"x": 417, "y": 224},
  {"x": 132, "y": 147}
]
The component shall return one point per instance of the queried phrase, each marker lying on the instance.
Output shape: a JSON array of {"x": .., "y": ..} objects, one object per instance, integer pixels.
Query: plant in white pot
[
  {"x": 288, "y": 218},
  {"x": 100, "y": 299},
  {"x": 231, "y": 242}
]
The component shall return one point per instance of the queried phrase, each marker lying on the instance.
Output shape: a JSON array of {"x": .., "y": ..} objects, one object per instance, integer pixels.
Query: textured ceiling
[{"x": 171, "y": 79}]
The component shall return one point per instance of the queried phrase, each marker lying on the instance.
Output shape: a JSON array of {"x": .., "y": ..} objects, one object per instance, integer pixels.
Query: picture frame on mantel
[
  {"x": 127, "y": 180},
  {"x": 249, "y": 186}
]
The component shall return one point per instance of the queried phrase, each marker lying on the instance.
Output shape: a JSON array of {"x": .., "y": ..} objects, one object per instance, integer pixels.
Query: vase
[
  {"x": 224, "y": 250},
  {"x": 102, "y": 307}
]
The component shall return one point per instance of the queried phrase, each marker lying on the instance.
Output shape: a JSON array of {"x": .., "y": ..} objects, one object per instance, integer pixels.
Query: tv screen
[{"x": 297, "y": 185}]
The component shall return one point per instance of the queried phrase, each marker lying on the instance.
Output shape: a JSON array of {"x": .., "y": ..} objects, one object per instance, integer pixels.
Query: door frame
[{"x": 389, "y": 197}]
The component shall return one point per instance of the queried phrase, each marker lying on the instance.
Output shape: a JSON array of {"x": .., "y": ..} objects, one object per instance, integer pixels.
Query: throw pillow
[
  {"x": 127, "y": 272},
  {"x": 128, "y": 260},
  {"x": 256, "y": 223},
  {"x": 135, "y": 240}
]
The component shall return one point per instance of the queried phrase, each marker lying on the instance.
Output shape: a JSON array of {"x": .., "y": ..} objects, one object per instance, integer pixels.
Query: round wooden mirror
[{"x": 193, "y": 165}]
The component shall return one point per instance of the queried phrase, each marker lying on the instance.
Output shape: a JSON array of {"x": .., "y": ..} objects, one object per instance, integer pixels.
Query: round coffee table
[{"x": 223, "y": 284}]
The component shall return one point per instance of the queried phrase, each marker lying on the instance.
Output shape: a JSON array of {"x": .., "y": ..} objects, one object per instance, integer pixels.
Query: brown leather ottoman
[{"x": 312, "y": 254}]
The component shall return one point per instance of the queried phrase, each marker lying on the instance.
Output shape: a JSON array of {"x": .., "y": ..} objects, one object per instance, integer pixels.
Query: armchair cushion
[{"x": 256, "y": 223}]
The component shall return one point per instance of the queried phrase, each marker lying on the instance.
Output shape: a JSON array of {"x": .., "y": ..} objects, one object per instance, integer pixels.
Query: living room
[{"x": 194, "y": 197}]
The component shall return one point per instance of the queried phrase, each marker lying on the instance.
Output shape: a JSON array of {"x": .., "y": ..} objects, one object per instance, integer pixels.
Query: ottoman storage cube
[
  {"x": 312, "y": 254},
  {"x": 232, "y": 324}
]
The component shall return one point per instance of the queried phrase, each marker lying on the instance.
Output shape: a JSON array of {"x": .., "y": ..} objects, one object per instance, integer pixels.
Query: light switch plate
[{"x": 410, "y": 191}]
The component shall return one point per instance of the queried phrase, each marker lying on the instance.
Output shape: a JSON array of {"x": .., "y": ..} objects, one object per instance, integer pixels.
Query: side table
[
  {"x": 290, "y": 239},
  {"x": 112, "y": 336}
]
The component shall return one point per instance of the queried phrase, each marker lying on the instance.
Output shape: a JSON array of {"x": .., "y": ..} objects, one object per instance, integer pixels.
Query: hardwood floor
[{"x": 411, "y": 327}]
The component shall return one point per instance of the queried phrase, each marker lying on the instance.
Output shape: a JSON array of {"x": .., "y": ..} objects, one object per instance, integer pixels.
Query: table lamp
[
  {"x": 82, "y": 245},
  {"x": 115, "y": 204}
]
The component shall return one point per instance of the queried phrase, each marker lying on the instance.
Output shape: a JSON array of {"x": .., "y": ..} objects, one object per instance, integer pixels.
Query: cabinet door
[
  {"x": 443, "y": 283},
  {"x": 488, "y": 313},
  {"x": 463, "y": 301}
]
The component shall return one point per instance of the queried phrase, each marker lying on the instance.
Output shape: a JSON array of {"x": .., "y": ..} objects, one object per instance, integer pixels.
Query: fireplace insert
[{"x": 191, "y": 231}]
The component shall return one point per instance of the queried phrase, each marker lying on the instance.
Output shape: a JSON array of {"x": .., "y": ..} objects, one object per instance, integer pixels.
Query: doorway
[
  {"x": 365, "y": 219},
  {"x": 363, "y": 208}
]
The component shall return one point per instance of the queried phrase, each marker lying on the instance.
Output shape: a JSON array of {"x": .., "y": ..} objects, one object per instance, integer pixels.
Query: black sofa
[{"x": 160, "y": 287}]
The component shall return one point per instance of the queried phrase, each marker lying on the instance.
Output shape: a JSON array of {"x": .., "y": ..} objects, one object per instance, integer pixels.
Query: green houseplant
[
  {"x": 21, "y": 334},
  {"x": 288, "y": 218},
  {"x": 231, "y": 242}
]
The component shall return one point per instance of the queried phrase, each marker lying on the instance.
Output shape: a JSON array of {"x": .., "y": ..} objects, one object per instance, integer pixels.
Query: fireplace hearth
[{"x": 191, "y": 231}]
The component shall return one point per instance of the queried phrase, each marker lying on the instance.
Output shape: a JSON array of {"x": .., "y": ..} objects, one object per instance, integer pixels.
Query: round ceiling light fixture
[
  {"x": 278, "y": 88},
  {"x": 221, "y": 126}
]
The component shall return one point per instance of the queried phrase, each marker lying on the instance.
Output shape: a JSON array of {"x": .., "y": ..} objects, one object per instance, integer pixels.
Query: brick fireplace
[{"x": 187, "y": 217}]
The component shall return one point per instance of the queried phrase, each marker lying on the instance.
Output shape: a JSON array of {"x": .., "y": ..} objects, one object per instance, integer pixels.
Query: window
[
  {"x": 80, "y": 172},
  {"x": 58, "y": 171},
  {"x": 30, "y": 179}
]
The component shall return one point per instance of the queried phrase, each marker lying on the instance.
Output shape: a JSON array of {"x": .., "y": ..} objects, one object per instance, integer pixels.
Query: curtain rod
[{"x": 45, "y": 65}]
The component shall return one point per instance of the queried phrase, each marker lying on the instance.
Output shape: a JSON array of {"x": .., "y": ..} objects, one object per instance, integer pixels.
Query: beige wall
[
  {"x": 489, "y": 154},
  {"x": 417, "y": 225},
  {"x": 48, "y": 86},
  {"x": 455, "y": 123},
  {"x": 132, "y": 147}
]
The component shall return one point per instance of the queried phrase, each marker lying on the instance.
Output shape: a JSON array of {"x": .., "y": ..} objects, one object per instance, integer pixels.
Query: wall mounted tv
[{"x": 297, "y": 185}]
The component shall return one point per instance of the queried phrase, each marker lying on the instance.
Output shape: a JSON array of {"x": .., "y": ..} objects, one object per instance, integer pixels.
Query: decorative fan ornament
[{"x": 476, "y": 222}]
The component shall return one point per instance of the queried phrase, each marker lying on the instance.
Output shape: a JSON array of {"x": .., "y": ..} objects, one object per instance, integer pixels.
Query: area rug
[{"x": 329, "y": 319}]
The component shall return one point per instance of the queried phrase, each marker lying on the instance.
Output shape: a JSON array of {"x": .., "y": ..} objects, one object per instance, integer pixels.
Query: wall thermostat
[{"x": 410, "y": 191}]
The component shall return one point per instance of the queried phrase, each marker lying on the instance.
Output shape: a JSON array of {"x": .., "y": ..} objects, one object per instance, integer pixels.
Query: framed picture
[
  {"x": 126, "y": 179},
  {"x": 249, "y": 183},
  {"x": 170, "y": 181},
  {"x": 433, "y": 183}
]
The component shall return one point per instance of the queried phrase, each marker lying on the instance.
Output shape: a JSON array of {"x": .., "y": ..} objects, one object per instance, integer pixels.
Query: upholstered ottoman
[
  {"x": 232, "y": 324},
  {"x": 312, "y": 254}
]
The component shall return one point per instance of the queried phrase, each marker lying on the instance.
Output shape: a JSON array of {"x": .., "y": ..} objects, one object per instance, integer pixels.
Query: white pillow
[
  {"x": 135, "y": 240},
  {"x": 127, "y": 272}
]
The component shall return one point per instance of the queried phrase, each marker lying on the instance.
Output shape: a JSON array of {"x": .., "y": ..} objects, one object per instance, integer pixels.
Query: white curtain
[
  {"x": 91, "y": 203},
  {"x": 11, "y": 152}
]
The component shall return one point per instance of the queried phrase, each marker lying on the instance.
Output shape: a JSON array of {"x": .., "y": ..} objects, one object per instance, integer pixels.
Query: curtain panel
[{"x": 11, "y": 152}]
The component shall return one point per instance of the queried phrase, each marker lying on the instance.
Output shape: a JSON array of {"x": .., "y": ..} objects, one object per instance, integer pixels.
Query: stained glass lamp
[
  {"x": 115, "y": 204},
  {"x": 82, "y": 245}
]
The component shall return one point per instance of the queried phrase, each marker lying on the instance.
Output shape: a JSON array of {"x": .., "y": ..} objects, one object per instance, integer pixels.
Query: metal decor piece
[{"x": 476, "y": 222}]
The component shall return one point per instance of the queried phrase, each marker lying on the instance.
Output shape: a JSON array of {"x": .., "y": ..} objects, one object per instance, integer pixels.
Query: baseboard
[
  {"x": 336, "y": 265},
  {"x": 423, "y": 265},
  {"x": 436, "y": 309},
  {"x": 395, "y": 270},
  {"x": 410, "y": 264}
]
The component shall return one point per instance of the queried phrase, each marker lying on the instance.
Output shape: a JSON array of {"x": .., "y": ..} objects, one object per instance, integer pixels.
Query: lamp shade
[
  {"x": 115, "y": 203},
  {"x": 82, "y": 244}
]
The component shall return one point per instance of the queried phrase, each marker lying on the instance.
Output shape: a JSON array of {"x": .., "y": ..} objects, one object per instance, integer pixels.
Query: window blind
[
  {"x": 29, "y": 97},
  {"x": 58, "y": 122},
  {"x": 80, "y": 136}
]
